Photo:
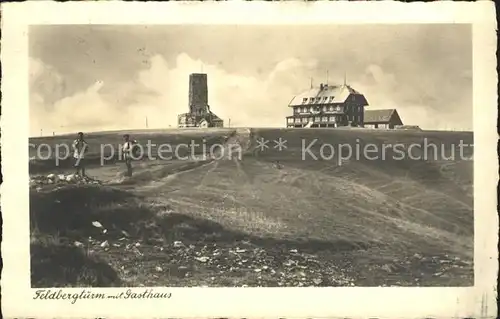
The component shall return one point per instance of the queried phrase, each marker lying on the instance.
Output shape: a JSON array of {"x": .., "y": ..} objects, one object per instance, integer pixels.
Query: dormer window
[
  {"x": 331, "y": 98},
  {"x": 304, "y": 100}
]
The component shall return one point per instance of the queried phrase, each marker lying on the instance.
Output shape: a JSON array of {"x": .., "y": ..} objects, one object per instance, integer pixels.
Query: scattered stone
[
  {"x": 387, "y": 268},
  {"x": 96, "y": 224},
  {"x": 178, "y": 244},
  {"x": 105, "y": 244},
  {"x": 202, "y": 259},
  {"x": 78, "y": 244},
  {"x": 40, "y": 180}
]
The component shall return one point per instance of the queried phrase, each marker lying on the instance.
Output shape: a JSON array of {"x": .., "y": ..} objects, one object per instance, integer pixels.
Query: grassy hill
[
  {"x": 273, "y": 218},
  {"x": 104, "y": 146}
]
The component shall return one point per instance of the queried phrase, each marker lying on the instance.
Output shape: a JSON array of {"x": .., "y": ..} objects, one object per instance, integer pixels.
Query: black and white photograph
[
  {"x": 302, "y": 164},
  {"x": 250, "y": 155}
]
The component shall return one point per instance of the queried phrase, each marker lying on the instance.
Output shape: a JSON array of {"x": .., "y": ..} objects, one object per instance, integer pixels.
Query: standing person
[
  {"x": 128, "y": 153},
  {"x": 80, "y": 147}
]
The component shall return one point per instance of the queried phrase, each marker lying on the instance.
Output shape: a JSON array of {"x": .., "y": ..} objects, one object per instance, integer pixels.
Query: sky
[{"x": 107, "y": 77}]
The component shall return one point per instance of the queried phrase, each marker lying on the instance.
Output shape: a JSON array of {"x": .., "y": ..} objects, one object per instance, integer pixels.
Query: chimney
[{"x": 321, "y": 86}]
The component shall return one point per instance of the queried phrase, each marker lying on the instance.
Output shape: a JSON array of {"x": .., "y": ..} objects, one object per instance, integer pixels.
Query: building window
[
  {"x": 289, "y": 120},
  {"x": 316, "y": 119},
  {"x": 324, "y": 108},
  {"x": 331, "y": 108},
  {"x": 337, "y": 108},
  {"x": 304, "y": 100},
  {"x": 297, "y": 120},
  {"x": 304, "y": 120},
  {"x": 331, "y": 98},
  {"x": 324, "y": 119},
  {"x": 332, "y": 118},
  {"x": 311, "y": 109}
]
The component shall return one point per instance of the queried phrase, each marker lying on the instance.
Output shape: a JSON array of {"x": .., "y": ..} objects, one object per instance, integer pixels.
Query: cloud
[
  {"x": 160, "y": 92},
  {"x": 44, "y": 81},
  {"x": 246, "y": 100},
  {"x": 447, "y": 105}
]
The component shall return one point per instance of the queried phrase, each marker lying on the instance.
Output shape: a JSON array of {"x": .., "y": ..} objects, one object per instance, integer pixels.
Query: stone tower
[{"x": 198, "y": 94}]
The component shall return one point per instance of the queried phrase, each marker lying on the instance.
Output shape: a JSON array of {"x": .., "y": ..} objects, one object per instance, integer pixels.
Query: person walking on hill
[
  {"x": 80, "y": 147},
  {"x": 129, "y": 152}
]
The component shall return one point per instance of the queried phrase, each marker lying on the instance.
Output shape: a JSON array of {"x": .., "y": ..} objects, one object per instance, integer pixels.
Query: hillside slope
[{"x": 392, "y": 221}]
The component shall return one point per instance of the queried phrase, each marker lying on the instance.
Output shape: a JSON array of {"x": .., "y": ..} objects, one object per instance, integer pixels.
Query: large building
[
  {"x": 327, "y": 106},
  {"x": 199, "y": 114}
]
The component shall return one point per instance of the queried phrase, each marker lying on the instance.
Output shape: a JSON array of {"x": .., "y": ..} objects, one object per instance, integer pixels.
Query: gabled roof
[
  {"x": 333, "y": 94},
  {"x": 380, "y": 116}
]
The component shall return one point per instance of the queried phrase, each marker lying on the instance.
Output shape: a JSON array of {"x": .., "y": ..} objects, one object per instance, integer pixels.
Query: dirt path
[{"x": 232, "y": 150}]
